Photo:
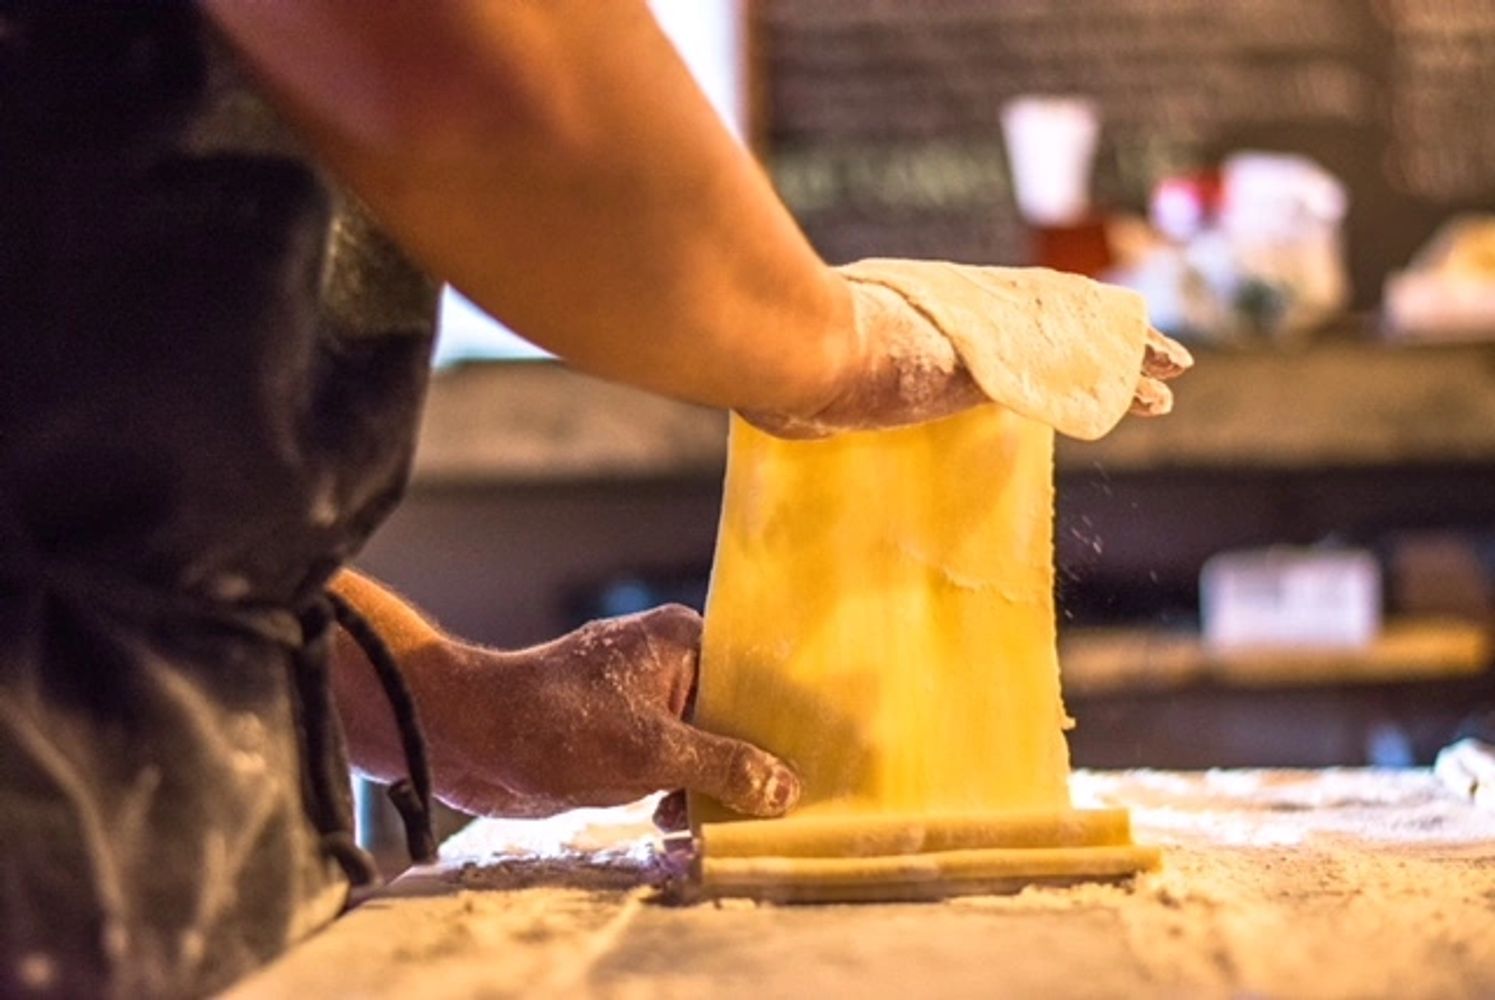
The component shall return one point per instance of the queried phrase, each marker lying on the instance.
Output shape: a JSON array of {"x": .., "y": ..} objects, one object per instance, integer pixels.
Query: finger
[
  {"x": 1152, "y": 398},
  {"x": 737, "y": 774},
  {"x": 1468, "y": 767},
  {"x": 670, "y": 815},
  {"x": 672, "y": 637},
  {"x": 1165, "y": 357},
  {"x": 675, "y": 623}
]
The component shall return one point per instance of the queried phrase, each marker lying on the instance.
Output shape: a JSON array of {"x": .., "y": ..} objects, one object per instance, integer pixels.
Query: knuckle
[
  {"x": 741, "y": 776},
  {"x": 676, "y": 623}
]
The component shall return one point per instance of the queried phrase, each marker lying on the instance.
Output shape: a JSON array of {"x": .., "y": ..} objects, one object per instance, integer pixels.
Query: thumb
[{"x": 737, "y": 774}]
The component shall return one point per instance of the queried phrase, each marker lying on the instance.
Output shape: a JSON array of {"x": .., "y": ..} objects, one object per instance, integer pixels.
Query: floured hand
[
  {"x": 938, "y": 338},
  {"x": 1468, "y": 769},
  {"x": 594, "y": 718},
  {"x": 1163, "y": 359}
]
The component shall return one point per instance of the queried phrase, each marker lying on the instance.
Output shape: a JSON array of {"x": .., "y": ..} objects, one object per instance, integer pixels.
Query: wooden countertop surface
[{"x": 1276, "y": 883}]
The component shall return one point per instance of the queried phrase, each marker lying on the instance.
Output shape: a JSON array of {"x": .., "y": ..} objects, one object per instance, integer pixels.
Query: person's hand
[
  {"x": 594, "y": 718},
  {"x": 936, "y": 338},
  {"x": 1467, "y": 768}
]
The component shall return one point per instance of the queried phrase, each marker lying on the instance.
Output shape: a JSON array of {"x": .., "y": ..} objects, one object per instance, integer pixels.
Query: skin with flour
[
  {"x": 590, "y": 719},
  {"x": 515, "y": 150}
]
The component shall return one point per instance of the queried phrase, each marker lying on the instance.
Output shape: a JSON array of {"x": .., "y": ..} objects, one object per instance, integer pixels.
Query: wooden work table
[{"x": 1276, "y": 883}]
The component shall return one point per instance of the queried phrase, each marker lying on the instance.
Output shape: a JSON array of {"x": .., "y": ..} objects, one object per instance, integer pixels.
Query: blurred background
[{"x": 1294, "y": 569}]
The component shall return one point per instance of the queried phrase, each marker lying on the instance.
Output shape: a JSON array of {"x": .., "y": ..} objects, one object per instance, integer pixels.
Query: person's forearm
[
  {"x": 556, "y": 163},
  {"x": 423, "y": 654}
]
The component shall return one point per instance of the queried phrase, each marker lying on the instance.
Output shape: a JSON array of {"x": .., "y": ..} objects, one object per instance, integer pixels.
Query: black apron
[{"x": 211, "y": 373}]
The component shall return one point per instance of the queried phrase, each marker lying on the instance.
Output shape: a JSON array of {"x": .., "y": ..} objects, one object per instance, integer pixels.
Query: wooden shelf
[
  {"x": 1103, "y": 661},
  {"x": 1339, "y": 403}
]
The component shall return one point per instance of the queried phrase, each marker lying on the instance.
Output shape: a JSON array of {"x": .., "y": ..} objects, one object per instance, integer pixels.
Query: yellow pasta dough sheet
[{"x": 881, "y": 616}]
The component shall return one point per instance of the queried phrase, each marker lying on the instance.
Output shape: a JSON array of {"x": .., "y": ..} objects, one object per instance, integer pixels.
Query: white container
[
  {"x": 1051, "y": 150},
  {"x": 1290, "y": 598}
]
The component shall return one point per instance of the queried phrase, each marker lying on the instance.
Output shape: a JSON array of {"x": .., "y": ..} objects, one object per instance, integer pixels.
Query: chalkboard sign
[{"x": 882, "y": 116}]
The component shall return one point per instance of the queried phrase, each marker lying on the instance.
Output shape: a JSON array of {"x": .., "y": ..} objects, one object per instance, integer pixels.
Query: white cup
[{"x": 1051, "y": 150}]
